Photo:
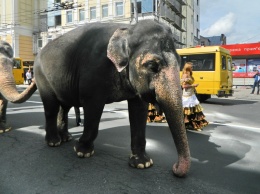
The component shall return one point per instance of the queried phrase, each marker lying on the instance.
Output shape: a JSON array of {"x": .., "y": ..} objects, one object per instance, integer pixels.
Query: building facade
[
  {"x": 17, "y": 26},
  {"x": 28, "y": 25}
]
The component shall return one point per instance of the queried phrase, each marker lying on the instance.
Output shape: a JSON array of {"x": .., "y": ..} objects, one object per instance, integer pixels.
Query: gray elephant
[
  {"x": 8, "y": 90},
  {"x": 102, "y": 63}
]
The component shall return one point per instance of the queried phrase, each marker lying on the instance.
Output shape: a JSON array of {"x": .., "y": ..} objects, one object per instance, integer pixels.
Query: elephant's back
[{"x": 68, "y": 63}]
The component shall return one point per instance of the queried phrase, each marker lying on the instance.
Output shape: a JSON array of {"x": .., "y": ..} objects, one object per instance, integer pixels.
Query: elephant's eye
[{"x": 153, "y": 66}]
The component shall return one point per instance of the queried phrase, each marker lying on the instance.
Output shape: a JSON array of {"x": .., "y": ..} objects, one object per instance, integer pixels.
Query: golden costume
[
  {"x": 154, "y": 115},
  {"x": 193, "y": 115}
]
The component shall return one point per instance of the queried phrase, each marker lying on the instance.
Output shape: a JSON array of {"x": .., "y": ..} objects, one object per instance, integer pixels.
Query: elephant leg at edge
[
  {"x": 51, "y": 110},
  {"x": 137, "y": 116},
  {"x": 92, "y": 114},
  {"x": 4, "y": 127},
  {"x": 62, "y": 124}
]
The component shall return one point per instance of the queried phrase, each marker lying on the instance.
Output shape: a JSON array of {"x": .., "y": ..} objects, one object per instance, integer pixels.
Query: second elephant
[{"x": 8, "y": 90}]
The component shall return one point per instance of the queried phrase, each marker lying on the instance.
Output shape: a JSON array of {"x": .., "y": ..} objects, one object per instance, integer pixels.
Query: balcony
[
  {"x": 171, "y": 17},
  {"x": 175, "y": 6}
]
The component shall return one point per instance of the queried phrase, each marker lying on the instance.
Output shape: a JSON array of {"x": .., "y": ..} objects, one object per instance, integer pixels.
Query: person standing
[
  {"x": 29, "y": 77},
  {"x": 194, "y": 118},
  {"x": 77, "y": 113},
  {"x": 256, "y": 82}
]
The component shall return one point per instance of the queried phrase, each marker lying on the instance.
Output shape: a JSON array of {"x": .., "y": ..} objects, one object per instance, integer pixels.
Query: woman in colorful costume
[{"x": 193, "y": 116}]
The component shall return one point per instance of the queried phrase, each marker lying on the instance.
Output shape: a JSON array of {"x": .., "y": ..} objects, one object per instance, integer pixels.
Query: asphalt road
[{"x": 225, "y": 155}]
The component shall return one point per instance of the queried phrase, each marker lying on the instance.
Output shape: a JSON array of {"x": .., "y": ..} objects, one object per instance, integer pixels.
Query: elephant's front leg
[
  {"x": 92, "y": 114},
  {"x": 137, "y": 116},
  {"x": 4, "y": 127},
  {"x": 62, "y": 124}
]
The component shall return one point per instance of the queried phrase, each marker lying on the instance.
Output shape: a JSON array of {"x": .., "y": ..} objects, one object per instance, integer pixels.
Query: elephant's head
[
  {"x": 7, "y": 82},
  {"x": 148, "y": 48}
]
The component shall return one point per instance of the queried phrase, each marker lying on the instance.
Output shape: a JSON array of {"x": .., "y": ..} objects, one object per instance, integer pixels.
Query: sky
[{"x": 238, "y": 20}]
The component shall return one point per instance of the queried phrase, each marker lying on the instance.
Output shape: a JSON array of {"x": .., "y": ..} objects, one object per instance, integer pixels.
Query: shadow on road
[
  {"x": 228, "y": 102},
  {"x": 33, "y": 167}
]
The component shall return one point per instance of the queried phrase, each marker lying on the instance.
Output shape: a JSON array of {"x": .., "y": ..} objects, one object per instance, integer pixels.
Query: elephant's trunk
[
  {"x": 8, "y": 87},
  {"x": 169, "y": 96}
]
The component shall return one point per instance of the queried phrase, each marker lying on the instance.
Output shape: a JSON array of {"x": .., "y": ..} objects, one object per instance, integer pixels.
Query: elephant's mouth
[{"x": 149, "y": 97}]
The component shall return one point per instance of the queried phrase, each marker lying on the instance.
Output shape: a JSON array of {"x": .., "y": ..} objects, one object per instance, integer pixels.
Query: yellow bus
[
  {"x": 20, "y": 68},
  {"x": 212, "y": 70},
  {"x": 18, "y": 71}
]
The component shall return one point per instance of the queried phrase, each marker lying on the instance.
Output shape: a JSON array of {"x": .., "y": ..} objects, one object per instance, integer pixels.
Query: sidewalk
[{"x": 243, "y": 92}]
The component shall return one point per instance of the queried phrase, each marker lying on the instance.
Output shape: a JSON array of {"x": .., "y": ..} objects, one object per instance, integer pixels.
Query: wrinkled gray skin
[
  {"x": 103, "y": 63},
  {"x": 8, "y": 91}
]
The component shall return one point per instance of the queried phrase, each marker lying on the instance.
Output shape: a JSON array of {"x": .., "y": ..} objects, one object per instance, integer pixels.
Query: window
[
  {"x": 69, "y": 16},
  {"x": 81, "y": 14},
  {"x": 201, "y": 62},
  {"x": 93, "y": 13},
  {"x": 119, "y": 9},
  {"x": 104, "y": 11},
  {"x": 40, "y": 43},
  {"x": 49, "y": 39},
  {"x": 17, "y": 64},
  {"x": 57, "y": 20},
  {"x": 197, "y": 2},
  {"x": 197, "y": 18},
  {"x": 139, "y": 7},
  {"x": 56, "y": 1},
  {"x": 229, "y": 64},
  {"x": 224, "y": 63}
]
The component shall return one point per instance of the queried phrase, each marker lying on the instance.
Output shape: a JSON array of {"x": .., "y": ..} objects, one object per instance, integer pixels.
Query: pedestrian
[
  {"x": 194, "y": 118},
  {"x": 29, "y": 77},
  {"x": 77, "y": 113},
  {"x": 256, "y": 82}
]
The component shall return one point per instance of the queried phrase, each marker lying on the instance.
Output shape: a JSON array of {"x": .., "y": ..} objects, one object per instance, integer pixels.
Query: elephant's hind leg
[
  {"x": 51, "y": 108},
  {"x": 137, "y": 115},
  {"x": 4, "y": 127},
  {"x": 52, "y": 137}
]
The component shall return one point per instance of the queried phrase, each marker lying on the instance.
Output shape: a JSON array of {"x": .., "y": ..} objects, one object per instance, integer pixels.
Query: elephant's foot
[
  {"x": 84, "y": 151},
  {"x": 53, "y": 141},
  {"x": 140, "y": 161},
  {"x": 4, "y": 127},
  {"x": 65, "y": 136},
  {"x": 181, "y": 168}
]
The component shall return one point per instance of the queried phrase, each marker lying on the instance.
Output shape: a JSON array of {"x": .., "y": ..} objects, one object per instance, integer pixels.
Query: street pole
[{"x": 135, "y": 11}]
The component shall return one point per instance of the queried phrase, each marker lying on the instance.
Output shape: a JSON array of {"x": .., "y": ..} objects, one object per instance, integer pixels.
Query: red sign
[
  {"x": 243, "y": 49},
  {"x": 243, "y": 75}
]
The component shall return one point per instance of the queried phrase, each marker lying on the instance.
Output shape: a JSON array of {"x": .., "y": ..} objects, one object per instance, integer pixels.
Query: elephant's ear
[
  {"x": 6, "y": 49},
  {"x": 117, "y": 50}
]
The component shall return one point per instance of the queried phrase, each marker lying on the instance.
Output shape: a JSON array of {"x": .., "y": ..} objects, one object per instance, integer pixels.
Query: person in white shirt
[{"x": 29, "y": 77}]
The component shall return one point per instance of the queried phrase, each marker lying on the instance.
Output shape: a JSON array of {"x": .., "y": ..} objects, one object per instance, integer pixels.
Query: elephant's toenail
[
  {"x": 87, "y": 155},
  {"x": 147, "y": 164},
  {"x": 80, "y": 154},
  {"x": 140, "y": 166}
]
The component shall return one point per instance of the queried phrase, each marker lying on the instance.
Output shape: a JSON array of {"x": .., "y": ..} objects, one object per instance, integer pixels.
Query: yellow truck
[{"x": 212, "y": 70}]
